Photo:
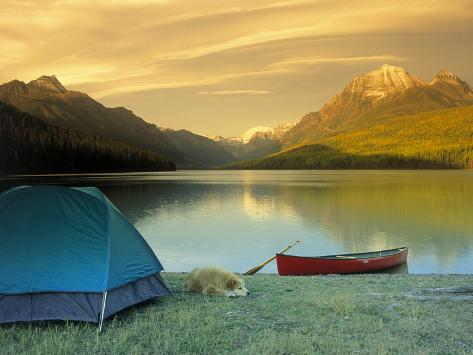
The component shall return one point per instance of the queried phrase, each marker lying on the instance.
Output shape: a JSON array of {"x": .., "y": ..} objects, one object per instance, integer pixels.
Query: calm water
[{"x": 237, "y": 219}]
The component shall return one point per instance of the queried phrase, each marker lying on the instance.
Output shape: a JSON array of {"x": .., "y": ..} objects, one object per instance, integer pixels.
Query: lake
[{"x": 237, "y": 219}]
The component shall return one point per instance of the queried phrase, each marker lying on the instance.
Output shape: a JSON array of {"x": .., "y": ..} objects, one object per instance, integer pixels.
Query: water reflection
[{"x": 237, "y": 219}]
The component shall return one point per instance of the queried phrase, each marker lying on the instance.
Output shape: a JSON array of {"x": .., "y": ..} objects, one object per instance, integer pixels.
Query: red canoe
[{"x": 341, "y": 264}]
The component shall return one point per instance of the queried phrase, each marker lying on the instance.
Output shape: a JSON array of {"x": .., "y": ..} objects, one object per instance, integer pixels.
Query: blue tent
[{"x": 69, "y": 254}]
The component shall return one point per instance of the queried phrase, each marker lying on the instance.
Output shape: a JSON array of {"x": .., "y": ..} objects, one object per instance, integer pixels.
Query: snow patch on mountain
[
  {"x": 383, "y": 82},
  {"x": 49, "y": 83}
]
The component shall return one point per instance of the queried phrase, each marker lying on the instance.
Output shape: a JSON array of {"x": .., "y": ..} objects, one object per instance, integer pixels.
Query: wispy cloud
[
  {"x": 276, "y": 69},
  {"x": 302, "y": 61},
  {"x": 211, "y": 80},
  {"x": 152, "y": 55},
  {"x": 238, "y": 42},
  {"x": 235, "y": 92}
]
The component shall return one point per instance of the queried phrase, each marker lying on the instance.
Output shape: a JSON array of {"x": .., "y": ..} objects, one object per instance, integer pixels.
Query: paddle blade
[{"x": 254, "y": 270}]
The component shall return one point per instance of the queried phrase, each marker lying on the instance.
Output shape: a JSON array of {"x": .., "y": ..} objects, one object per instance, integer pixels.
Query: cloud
[
  {"x": 212, "y": 80},
  {"x": 302, "y": 61},
  {"x": 145, "y": 34},
  {"x": 235, "y": 92},
  {"x": 276, "y": 69},
  {"x": 238, "y": 42},
  {"x": 134, "y": 52}
]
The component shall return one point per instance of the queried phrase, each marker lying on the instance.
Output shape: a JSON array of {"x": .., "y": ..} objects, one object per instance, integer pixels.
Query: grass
[{"x": 367, "y": 314}]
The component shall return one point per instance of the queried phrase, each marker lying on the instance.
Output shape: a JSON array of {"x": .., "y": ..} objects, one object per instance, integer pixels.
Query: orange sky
[{"x": 220, "y": 67}]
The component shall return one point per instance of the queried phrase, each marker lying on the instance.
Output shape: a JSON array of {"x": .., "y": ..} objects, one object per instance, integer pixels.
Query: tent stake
[{"x": 102, "y": 312}]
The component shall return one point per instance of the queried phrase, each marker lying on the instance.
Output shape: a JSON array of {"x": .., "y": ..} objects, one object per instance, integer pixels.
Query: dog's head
[{"x": 236, "y": 287}]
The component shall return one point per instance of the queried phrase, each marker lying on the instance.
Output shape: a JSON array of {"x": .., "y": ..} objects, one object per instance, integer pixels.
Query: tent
[{"x": 69, "y": 254}]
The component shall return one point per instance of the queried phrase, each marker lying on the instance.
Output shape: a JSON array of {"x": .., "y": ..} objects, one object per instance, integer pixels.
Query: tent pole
[
  {"x": 102, "y": 312},
  {"x": 167, "y": 283}
]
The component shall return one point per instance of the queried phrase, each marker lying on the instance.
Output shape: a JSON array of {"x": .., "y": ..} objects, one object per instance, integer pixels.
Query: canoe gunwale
[{"x": 352, "y": 256}]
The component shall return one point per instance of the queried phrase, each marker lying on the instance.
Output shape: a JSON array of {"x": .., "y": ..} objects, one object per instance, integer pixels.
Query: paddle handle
[
  {"x": 260, "y": 266},
  {"x": 281, "y": 252},
  {"x": 288, "y": 247}
]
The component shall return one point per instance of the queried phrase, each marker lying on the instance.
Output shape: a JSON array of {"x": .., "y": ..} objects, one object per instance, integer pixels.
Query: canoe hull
[{"x": 343, "y": 264}]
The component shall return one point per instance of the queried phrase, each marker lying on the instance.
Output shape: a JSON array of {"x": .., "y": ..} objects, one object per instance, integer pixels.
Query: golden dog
[{"x": 215, "y": 281}]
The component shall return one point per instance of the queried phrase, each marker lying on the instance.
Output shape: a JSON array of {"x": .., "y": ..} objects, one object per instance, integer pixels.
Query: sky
[{"x": 221, "y": 67}]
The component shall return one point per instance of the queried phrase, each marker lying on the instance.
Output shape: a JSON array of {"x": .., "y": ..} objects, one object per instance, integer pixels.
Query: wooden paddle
[{"x": 262, "y": 265}]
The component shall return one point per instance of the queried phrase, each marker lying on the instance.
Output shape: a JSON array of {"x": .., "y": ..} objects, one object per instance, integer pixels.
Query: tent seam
[{"x": 108, "y": 242}]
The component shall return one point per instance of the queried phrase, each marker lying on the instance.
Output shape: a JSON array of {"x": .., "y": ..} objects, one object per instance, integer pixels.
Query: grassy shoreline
[{"x": 284, "y": 315}]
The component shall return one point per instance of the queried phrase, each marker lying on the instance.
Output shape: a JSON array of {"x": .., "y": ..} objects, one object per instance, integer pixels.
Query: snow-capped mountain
[
  {"x": 254, "y": 142},
  {"x": 386, "y": 91}
]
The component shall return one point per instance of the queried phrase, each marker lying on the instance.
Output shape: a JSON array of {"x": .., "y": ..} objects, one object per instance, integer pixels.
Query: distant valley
[{"x": 255, "y": 142}]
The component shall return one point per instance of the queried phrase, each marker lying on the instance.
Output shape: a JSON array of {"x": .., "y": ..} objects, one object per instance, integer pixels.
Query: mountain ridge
[
  {"x": 367, "y": 100},
  {"x": 75, "y": 110},
  {"x": 47, "y": 99},
  {"x": 350, "y": 106},
  {"x": 254, "y": 142}
]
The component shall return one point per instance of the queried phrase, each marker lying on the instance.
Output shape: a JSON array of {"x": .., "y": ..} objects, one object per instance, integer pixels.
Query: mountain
[
  {"x": 444, "y": 91},
  {"x": 275, "y": 133},
  {"x": 28, "y": 145},
  {"x": 429, "y": 125},
  {"x": 428, "y": 140},
  {"x": 450, "y": 84},
  {"x": 48, "y": 83},
  {"x": 243, "y": 138},
  {"x": 368, "y": 101},
  {"x": 46, "y": 98},
  {"x": 365, "y": 92},
  {"x": 254, "y": 142},
  {"x": 385, "y": 92},
  {"x": 202, "y": 151},
  {"x": 246, "y": 136}
]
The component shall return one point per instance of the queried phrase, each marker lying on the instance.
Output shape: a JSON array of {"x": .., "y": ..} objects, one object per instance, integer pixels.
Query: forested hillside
[
  {"x": 28, "y": 145},
  {"x": 436, "y": 139},
  {"x": 45, "y": 98}
]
